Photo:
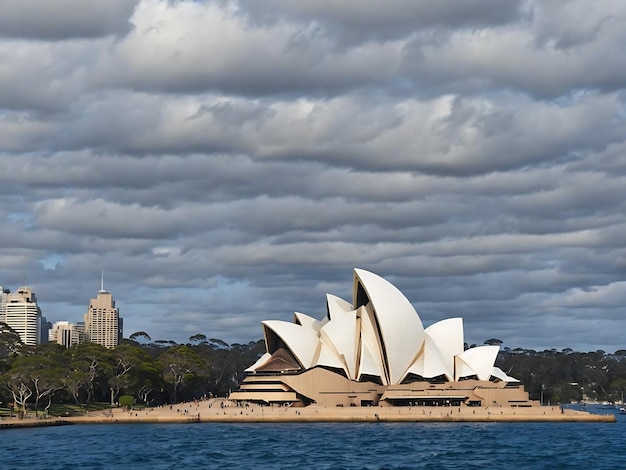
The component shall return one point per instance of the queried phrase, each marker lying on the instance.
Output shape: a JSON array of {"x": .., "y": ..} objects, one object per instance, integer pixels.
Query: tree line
[
  {"x": 564, "y": 376},
  {"x": 159, "y": 372},
  {"x": 35, "y": 377}
]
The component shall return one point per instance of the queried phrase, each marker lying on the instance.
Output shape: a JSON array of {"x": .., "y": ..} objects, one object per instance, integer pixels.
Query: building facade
[
  {"x": 103, "y": 324},
  {"x": 21, "y": 312},
  {"x": 44, "y": 330},
  {"x": 375, "y": 351},
  {"x": 4, "y": 293},
  {"x": 65, "y": 334}
]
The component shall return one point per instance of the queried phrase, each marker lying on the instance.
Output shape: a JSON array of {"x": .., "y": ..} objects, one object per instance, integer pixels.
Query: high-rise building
[
  {"x": 65, "y": 334},
  {"x": 103, "y": 324},
  {"x": 44, "y": 330},
  {"x": 4, "y": 293},
  {"x": 80, "y": 327},
  {"x": 20, "y": 312}
]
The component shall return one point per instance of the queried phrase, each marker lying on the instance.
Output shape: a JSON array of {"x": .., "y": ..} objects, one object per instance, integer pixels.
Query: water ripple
[{"x": 375, "y": 446}]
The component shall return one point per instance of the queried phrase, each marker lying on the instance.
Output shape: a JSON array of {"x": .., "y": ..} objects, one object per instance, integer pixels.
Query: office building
[
  {"x": 65, "y": 334},
  {"x": 4, "y": 293},
  {"x": 103, "y": 324},
  {"x": 21, "y": 313}
]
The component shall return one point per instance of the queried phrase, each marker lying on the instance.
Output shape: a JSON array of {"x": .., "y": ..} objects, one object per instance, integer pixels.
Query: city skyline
[
  {"x": 228, "y": 162},
  {"x": 100, "y": 324}
]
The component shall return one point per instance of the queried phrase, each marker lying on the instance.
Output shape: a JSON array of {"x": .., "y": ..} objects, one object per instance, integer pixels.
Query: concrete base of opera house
[{"x": 224, "y": 411}]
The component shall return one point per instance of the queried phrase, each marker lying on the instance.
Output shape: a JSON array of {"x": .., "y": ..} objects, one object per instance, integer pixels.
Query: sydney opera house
[{"x": 375, "y": 351}]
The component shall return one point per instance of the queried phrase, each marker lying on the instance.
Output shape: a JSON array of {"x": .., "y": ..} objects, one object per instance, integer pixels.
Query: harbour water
[{"x": 317, "y": 445}]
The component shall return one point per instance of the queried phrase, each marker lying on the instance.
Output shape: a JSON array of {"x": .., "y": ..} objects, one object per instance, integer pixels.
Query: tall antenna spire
[{"x": 102, "y": 281}]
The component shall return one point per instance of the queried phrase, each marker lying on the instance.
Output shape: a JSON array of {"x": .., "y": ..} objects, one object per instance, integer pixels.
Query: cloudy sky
[{"x": 227, "y": 162}]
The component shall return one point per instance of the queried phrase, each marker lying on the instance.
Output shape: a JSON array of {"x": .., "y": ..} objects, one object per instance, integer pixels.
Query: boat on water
[{"x": 622, "y": 411}]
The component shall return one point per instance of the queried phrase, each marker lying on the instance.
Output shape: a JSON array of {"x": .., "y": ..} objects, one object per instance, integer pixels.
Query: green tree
[
  {"x": 127, "y": 401},
  {"x": 145, "y": 379},
  {"x": 10, "y": 342},
  {"x": 42, "y": 374},
  {"x": 141, "y": 337},
  {"x": 197, "y": 338},
  {"x": 74, "y": 380},
  {"x": 179, "y": 364},
  {"x": 618, "y": 388},
  {"x": 49, "y": 382},
  {"x": 89, "y": 365},
  {"x": 126, "y": 358},
  {"x": 494, "y": 342},
  {"x": 17, "y": 382}
]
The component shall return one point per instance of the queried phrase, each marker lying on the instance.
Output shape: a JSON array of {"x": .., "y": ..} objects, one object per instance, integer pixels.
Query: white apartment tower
[
  {"x": 20, "y": 312},
  {"x": 103, "y": 324},
  {"x": 4, "y": 294},
  {"x": 65, "y": 334}
]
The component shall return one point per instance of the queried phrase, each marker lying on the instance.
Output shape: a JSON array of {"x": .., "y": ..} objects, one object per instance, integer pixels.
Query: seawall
[{"x": 222, "y": 411}]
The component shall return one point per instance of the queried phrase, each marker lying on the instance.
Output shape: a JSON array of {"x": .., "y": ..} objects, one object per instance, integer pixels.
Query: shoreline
[{"x": 222, "y": 411}]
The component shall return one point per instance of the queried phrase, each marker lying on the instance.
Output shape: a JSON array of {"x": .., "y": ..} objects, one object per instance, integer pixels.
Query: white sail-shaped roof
[
  {"x": 343, "y": 333},
  {"x": 328, "y": 357},
  {"x": 476, "y": 361},
  {"x": 371, "y": 356},
  {"x": 448, "y": 335},
  {"x": 337, "y": 305},
  {"x": 444, "y": 340},
  {"x": 430, "y": 362},
  {"x": 419, "y": 365},
  {"x": 401, "y": 330},
  {"x": 308, "y": 321},
  {"x": 258, "y": 363},
  {"x": 383, "y": 337},
  {"x": 302, "y": 341},
  {"x": 370, "y": 365},
  {"x": 500, "y": 374}
]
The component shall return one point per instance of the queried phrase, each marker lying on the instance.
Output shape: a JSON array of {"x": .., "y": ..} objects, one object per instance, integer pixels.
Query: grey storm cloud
[
  {"x": 54, "y": 20},
  {"x": 364, "y": 21},
  {"x": 227, "y": 162}
]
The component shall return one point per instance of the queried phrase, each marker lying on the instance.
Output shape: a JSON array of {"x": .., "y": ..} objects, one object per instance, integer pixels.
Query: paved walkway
[{"x": 222, "y": 410}]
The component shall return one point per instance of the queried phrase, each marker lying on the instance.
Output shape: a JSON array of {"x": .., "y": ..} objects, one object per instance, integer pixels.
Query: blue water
[{"x": 320, "y": 446}]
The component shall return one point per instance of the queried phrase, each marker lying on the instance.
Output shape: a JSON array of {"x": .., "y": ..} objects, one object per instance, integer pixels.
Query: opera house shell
[{"x": 375, "y": 351}]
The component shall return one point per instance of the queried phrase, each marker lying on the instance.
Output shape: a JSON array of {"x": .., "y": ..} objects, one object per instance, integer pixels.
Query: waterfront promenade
[{"x": 224, "y": 411}]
